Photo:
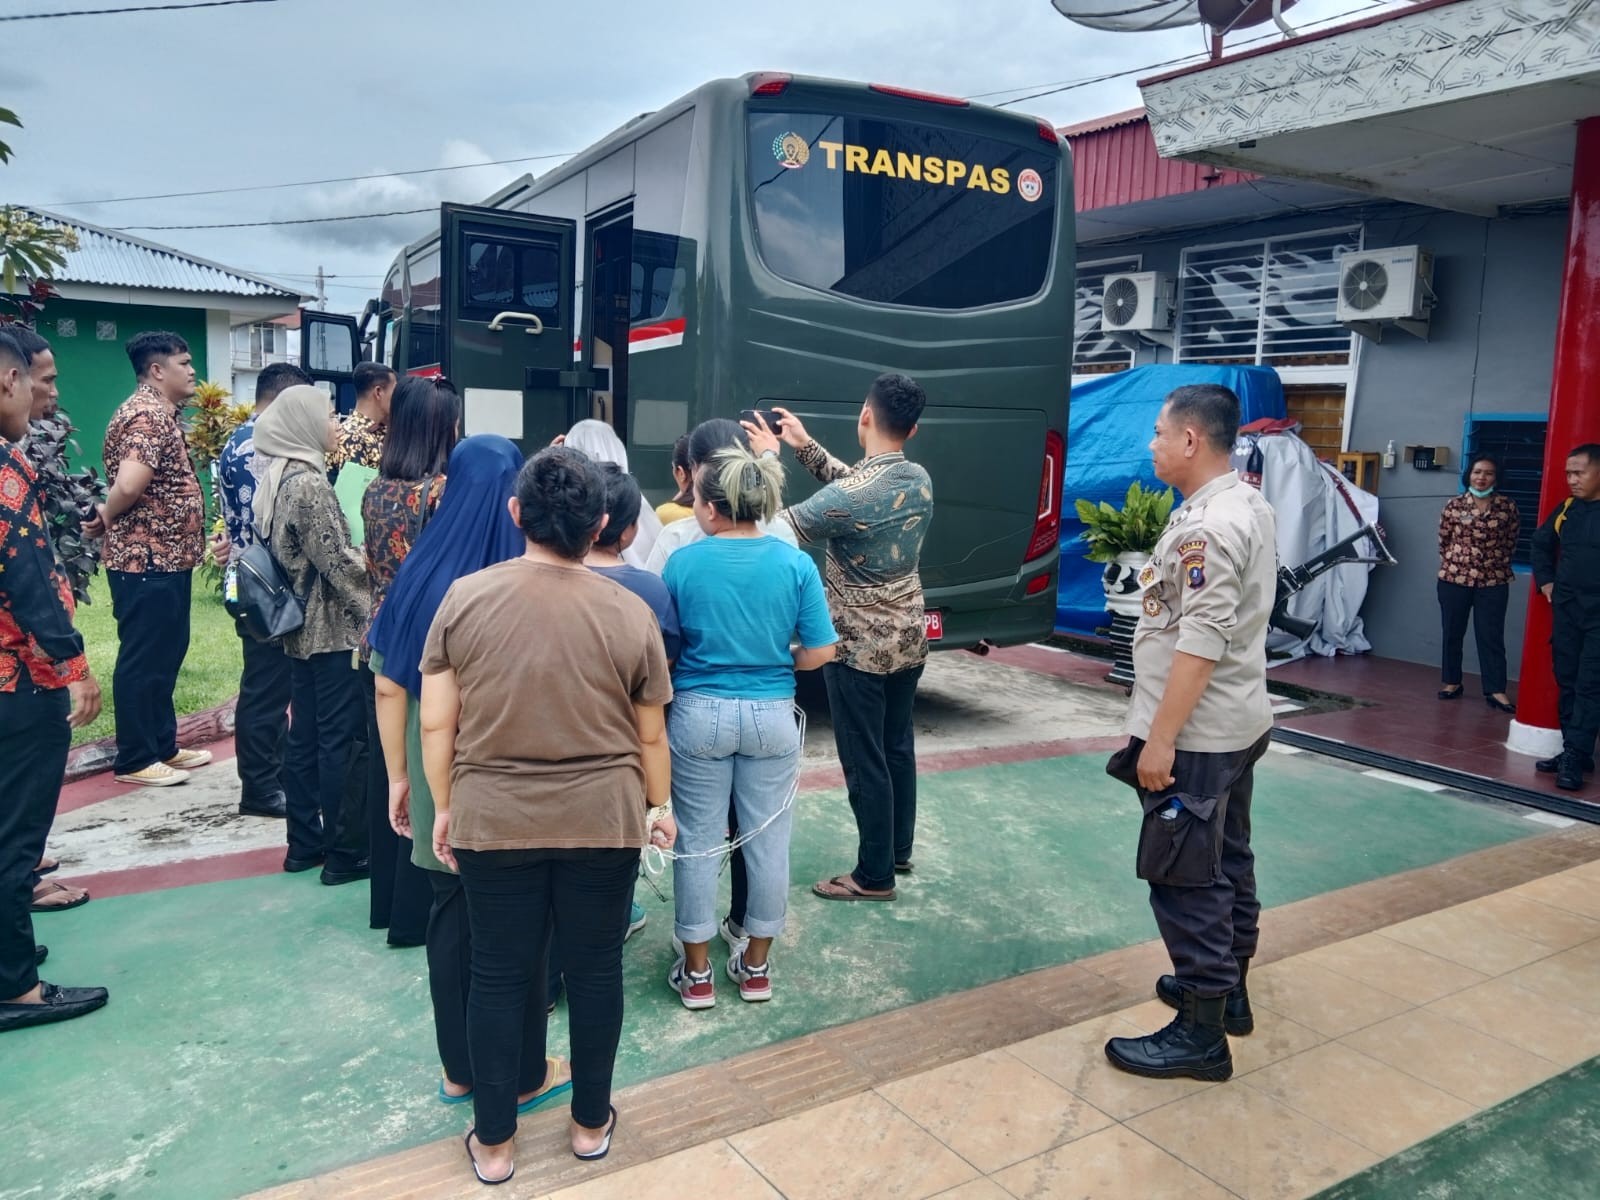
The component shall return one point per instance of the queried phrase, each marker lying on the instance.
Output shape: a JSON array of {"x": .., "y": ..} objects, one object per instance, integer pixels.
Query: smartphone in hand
[{"x": 769, "y": 415}]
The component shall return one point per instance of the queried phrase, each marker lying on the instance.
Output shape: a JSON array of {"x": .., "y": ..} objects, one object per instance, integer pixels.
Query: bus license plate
[{"x": 933, "y": 624}]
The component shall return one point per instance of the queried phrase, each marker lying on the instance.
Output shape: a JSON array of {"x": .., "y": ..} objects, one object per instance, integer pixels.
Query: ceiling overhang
[{"x": 1468, "y": 105}]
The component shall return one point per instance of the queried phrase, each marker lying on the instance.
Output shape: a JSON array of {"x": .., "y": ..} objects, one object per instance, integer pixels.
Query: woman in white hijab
[
  {"x": 297, "y": 516},
  {"x": 601, "y": 444}
]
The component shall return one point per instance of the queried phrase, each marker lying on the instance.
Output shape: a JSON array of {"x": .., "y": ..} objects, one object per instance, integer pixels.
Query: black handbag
[{"x": 258, "y": 596}]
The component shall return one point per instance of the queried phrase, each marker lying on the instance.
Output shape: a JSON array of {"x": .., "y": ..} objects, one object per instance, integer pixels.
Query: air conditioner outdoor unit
[
  {"x": 1394, "y": 284},
  {"x": 1139, "y": 302}
]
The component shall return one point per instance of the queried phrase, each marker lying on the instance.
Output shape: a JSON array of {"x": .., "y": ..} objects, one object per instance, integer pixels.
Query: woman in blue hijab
[{"x": 472, "y": 529}]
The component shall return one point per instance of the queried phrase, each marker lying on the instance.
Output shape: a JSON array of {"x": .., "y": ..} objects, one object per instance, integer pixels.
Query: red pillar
[{"x": 1574, "y": 412}]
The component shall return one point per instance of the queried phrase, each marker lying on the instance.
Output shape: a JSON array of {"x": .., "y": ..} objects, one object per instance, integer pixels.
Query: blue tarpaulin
[{"x": 1108, "y": 447}]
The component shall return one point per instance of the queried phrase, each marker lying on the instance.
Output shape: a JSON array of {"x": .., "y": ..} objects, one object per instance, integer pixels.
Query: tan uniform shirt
[{"x": 1208, "y": 591}]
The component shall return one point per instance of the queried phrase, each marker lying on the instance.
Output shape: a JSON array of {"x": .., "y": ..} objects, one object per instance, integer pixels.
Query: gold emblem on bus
[{"x": 791, "y": 150}]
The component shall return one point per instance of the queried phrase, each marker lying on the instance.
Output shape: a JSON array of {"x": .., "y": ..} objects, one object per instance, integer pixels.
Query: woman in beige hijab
[{"x": 297, "y": 516}]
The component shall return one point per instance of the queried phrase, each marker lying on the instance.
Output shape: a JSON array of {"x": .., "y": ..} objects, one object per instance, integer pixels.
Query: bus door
[
  {"x": 330, "y": 348},
  {"x": 506, "y": 287},
  {"x": 609, "y": 286}
]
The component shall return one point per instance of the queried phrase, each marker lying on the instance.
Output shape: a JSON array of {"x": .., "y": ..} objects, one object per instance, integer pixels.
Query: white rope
[{"x": 655, "y": 858}]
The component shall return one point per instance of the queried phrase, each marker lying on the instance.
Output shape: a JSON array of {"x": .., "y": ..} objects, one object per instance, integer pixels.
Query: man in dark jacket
[
  {"x": 46, "y": 691},
  {"x": 1566, "y": 568}
]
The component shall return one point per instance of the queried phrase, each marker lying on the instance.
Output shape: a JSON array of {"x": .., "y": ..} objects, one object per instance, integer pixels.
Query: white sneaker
[
  {"x": 188, "y": 760},
  {"x": 155, "y": 775},
  {"x": 734, "y": 936},
  {"x": 696, "y": 991},
  {"x": 755, "y": 983}
]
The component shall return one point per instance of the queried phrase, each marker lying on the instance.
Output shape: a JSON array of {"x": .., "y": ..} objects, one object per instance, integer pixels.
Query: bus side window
[{"x": 504, "y": 275}]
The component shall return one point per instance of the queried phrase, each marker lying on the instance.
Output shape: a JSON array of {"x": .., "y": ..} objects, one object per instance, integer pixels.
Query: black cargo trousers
[{"x": 1198, "y": 862}]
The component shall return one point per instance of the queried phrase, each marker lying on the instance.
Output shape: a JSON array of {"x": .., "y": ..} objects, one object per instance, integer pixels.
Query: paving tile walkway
[{"x": 1366, "y": 1046}]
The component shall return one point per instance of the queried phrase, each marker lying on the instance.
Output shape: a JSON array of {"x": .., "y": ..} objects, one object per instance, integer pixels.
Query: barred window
[
  {"x": 1094, "y": 352},
  {"x": 1265, "y": 303},
  {"x": 1516, "y": 442}
]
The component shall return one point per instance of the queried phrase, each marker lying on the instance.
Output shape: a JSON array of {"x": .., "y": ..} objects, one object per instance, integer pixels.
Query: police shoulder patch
[{"x": 1193, "y": 555}]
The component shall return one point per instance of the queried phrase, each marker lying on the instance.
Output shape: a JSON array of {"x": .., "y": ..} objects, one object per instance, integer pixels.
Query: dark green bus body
[{"x": 751, "y": 247}]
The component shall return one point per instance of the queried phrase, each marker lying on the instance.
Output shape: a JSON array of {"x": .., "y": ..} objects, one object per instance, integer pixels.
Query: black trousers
[
  {"x": 325, "y": 718},
  {"x": 1207, "y": 926},
  {"x": 1575, "y": 648},
  {"x": 152, "y": 614},
  {"x": 876, "y": 739},
  {"x": 1486, "y": 607},
  {"x": 511, "y": 898},
  {"x": 401, "y": 897},
  {"x": 261, "y": 720},
  {"x": 34, "y": 738},
  {"x": 450, "y": 973}
]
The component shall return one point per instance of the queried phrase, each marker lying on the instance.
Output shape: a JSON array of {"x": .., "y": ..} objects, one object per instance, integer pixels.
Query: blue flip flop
[
  {"x": 447, "y": 1098},
  {"x": 561, "y": 1089}
]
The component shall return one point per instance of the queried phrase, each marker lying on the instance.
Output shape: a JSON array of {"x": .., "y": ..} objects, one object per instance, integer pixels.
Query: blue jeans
[{"x": 749, "y": 749}]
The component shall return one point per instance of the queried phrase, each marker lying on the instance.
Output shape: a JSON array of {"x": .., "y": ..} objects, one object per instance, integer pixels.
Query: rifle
[{"x": 1291, "y": 580}]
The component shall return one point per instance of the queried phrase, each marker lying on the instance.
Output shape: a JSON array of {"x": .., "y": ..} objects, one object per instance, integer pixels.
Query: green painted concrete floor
[
  {"x": 1543, "y": 1144},
  {"x": 258, "y": 1032}
]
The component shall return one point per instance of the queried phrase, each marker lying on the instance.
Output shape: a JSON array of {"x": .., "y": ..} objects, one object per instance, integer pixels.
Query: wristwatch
[{"x": 769, "y": 454}]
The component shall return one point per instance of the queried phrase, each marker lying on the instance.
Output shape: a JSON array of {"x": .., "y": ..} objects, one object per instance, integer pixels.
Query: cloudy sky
[{"x": 131, "y": 105}]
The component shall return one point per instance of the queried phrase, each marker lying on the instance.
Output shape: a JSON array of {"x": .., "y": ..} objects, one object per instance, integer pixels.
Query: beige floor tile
[
  {"x": 862, "y": 1146},
  {"x": 1276, "y": 1038},
  {"x": 1467, "y": 939},
  {"x": 1113, "y": 1164},
  {"x": 1589, "y": 871},
  {"x": 1568, "y": 978},
  {"x": 1527, "y": 1019},
  {"x": 1329, "y": 1003},
  {"x": 1456, "y": 1058},
  {"x": 978, "y": 1189},
  {"x": 993, "y": 1110},
  {"x": 1365, "y": 1100},
  {"x": 1570, "y": 891},
  {"x": 1389, "y": 966},
  {"x": 1251, "y": 1144},
  {"x": 1075, "y": 1058},
  {"x": 710, "y": 1170},
  {"x": 1532, "y": 919}
]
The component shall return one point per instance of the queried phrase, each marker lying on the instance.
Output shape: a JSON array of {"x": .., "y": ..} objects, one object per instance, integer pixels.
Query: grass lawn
[{"x": 210, "y": 672}]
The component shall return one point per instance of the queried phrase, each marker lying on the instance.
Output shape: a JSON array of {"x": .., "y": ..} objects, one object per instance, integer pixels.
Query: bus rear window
[{"x": 919, "y": 215}]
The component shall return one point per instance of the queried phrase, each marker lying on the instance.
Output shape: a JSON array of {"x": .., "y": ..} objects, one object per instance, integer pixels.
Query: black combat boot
[
  {"x": 1552, "y": 765},
  {"x": 1193, "y": 1045},
  {"x": 1569, "y": 772},
  {"x": 1237, "y": 1018}
]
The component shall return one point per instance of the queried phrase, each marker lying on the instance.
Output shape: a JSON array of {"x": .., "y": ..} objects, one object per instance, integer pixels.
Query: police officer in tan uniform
[{"x": 1199, "y": 720}]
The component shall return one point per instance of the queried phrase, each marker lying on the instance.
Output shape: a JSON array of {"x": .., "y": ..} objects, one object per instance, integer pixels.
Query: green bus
[{"x": 777, "y": 240}]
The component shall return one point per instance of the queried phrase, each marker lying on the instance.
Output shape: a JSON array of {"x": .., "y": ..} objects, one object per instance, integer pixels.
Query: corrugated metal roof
[
  {"x": 116, "y": 259},
  {"x": 1114, "y": 162},
  {"x": 1098, "y": 123}
]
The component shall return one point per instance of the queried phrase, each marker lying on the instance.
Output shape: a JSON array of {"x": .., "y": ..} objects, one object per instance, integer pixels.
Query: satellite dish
[
  {"x": 1130, "y": 16},
  {"x": 1225, "y": 16},
  {"x": 1138, "y": 16}
]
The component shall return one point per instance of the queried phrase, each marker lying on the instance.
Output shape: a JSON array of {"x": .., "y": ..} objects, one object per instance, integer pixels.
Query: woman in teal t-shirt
[{"x": 743, "y": 599}]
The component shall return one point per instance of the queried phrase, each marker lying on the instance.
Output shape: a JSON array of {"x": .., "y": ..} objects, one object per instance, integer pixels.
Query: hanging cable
[{"x": 131, "y": 8}]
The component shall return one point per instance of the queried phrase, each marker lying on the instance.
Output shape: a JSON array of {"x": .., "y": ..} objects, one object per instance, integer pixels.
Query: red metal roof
[{"x": 1114, "y": 162}]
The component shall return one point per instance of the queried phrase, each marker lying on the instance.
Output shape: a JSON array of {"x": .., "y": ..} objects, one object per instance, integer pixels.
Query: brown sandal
[
  {"x": 57, "y": 897},
  {"x": 844, "y": 887},
  {"x": 46, "y": 865}
]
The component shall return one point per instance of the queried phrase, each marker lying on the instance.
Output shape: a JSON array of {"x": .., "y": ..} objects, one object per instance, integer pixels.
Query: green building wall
[{"x": 87, "y": 338}]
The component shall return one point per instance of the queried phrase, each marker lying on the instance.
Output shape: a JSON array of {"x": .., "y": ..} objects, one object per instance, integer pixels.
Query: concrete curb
[{"x": 196, "y": 729}]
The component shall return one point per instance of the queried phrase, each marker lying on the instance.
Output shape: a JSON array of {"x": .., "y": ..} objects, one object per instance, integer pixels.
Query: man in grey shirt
[{"x": 1199, "y": 720}]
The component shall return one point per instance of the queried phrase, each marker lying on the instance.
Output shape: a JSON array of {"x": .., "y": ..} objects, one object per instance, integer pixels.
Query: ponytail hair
[{"x": 741, "y": 486}]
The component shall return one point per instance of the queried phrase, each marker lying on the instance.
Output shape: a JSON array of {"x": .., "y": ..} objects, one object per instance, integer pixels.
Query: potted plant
[{"x": 1123, "y": 539}]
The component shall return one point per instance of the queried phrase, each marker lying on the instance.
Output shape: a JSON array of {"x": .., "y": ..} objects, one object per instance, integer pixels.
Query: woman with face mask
[{"x": 1477, "y": 535}]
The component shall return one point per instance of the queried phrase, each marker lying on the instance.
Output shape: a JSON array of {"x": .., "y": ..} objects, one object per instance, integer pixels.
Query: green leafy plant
[
  {"x": 69, "y": 498},
  {"x": 7, "y": 117},
  {"x": 31, "y": 249},
  {"x": 1135, "y": 527}
]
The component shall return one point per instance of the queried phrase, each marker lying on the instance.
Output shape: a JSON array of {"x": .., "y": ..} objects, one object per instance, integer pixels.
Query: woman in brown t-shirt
[{"x": 543, "y": 740}]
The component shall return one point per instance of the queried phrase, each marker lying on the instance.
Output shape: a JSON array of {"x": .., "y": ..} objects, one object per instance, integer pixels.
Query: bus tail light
[
  {"x": 1047, "y": 524},
  {"x": 884, "y": 89},
  {"x": 770, "y": 83},
  {"x": 1047, "y": 133}
]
